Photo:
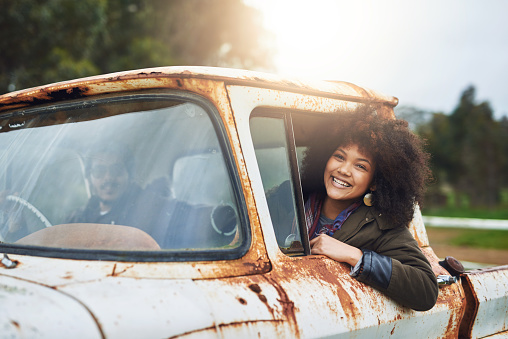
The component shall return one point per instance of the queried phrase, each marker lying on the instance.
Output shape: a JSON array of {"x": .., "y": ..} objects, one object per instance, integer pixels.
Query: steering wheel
[{"x": 31, "y": 208}]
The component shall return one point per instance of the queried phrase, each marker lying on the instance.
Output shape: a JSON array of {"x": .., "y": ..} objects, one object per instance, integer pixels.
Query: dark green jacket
[{"x": 393, "y": 262}]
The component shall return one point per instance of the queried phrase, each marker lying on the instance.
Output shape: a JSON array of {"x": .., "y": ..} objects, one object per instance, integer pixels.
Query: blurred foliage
[
  {"x": 44, "y": 41},
  {"x": 469, "y": 151}
]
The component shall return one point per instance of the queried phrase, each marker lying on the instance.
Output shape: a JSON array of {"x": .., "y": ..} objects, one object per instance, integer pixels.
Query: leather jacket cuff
[{"x": 377, "y": 269}]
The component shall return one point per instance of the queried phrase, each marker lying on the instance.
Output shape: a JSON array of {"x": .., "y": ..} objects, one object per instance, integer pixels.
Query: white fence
[{"x": 483, "y": 224}]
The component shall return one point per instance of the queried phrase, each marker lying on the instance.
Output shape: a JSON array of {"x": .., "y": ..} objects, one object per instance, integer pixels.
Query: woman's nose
[{"x": 344, "y": 169}]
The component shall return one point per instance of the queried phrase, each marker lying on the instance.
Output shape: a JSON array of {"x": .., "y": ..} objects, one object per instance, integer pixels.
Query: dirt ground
[{"x": 438, "y": 241}]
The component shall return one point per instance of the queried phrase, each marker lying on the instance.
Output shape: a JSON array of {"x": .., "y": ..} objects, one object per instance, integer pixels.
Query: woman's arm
[
  {"x": 397, "y": 267},
  {"x": 411, "y": 281}
]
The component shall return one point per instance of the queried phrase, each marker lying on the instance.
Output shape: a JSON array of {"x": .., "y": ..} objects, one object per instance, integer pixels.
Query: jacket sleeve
[{"x": 398, "y": 268}]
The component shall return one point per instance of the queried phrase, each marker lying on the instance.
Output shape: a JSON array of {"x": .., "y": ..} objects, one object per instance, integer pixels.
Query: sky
[{"x": 425, "y": 53}]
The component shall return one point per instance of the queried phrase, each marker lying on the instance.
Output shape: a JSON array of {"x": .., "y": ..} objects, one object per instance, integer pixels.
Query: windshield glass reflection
[{"x": 122, "y": 176}]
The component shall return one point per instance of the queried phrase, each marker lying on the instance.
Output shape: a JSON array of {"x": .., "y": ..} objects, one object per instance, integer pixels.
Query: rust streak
[
  {"x": 115, "y": 273},
  {"x": 213, "y": 328},
  {"x": 347, "y": 302},
  {"x": 288, "y": 306},
  {"x": 256, "y": 289},
  {"x": 471, "y": 309},
  {"x": 44, "y": 96},
  {"x": 243, "y": 323}
]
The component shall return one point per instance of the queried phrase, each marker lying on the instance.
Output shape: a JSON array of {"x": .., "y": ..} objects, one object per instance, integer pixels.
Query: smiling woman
[{"x": 361, "y": 180}]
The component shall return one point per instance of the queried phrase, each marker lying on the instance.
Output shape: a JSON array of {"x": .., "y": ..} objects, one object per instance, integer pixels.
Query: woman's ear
[{"x": 373, "y": 187}]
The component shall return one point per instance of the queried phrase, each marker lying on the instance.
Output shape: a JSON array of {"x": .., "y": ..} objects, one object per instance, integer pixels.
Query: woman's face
[{"x": 348, "y": 174}]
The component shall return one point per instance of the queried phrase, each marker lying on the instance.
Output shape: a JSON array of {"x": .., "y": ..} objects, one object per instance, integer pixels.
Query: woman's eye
[
  {"x": 362, "y": 167},
  {"x": 339, "y": 156}
]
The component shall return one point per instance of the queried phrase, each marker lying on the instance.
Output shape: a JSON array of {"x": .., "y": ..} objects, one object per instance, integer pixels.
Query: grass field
[
  {"x": 492, "y": 239},
  {"x": 473, "y": 238},
  {"x": 486, "y": 239},
  {"x": 488, "y": 247},
  {"x": 477, "y": 246}
]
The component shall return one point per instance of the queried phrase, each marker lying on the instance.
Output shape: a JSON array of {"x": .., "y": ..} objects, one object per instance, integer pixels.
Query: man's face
[{"x": 109, "y": 177}]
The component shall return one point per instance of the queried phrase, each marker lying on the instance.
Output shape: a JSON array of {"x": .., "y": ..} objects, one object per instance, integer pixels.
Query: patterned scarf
[{"x": 313, "y": 211}]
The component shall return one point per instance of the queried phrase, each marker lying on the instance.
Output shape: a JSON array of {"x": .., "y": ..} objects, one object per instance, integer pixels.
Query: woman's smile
[{"x": 341, "y": 182}]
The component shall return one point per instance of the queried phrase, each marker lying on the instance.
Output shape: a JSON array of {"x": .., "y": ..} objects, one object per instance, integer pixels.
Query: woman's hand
[{"x": 335, "y": 249}]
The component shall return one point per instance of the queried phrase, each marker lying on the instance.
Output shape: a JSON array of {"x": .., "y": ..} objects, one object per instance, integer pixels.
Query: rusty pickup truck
[{"x": 193, "y": 249}]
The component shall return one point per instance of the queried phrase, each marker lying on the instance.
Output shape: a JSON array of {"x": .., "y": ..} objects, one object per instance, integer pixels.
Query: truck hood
[
  {"x": 31, "y": 310},
  {"x": 110, "y": 307}
]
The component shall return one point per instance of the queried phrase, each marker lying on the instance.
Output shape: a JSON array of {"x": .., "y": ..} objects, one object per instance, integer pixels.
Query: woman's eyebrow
[
  {"x": 366, "y": 160},
  {"x": 358, "y": 159}
]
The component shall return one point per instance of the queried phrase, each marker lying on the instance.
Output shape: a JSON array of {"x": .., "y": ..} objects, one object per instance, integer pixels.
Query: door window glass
[{"x": 270, "y": 143}]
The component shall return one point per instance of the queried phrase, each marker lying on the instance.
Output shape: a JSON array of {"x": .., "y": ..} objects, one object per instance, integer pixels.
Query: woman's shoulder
[{"x": 371, "y": 214}]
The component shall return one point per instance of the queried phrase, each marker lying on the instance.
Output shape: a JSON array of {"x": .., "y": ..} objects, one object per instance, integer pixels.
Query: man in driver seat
[{"x": 115, "y": 198}]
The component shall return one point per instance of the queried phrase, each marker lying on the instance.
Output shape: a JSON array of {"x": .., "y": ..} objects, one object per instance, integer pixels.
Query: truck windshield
[{"x": 124, "y": 175}]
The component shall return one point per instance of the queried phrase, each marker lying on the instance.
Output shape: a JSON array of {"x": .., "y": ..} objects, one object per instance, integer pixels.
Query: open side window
[{"x": 280, "y": 139}]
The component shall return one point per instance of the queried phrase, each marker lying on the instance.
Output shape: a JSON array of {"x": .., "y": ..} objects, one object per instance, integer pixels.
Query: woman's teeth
[{"x": 342, "y": 183}]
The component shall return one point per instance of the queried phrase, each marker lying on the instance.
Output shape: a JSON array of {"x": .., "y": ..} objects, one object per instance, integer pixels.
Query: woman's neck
[{"x": 332, "y": 208}]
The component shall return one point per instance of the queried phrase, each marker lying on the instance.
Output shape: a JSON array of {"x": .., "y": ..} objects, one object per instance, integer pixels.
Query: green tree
[
  {"x": 468, "y": 149},
  {"x": 44, "y": 41},
  {"x": 479, "y": 150},
  {"x": 40, "y": 40}
]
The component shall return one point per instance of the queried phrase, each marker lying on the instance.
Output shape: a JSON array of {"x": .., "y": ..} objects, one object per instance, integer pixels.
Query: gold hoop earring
[{"x": 367, "y": 199}]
